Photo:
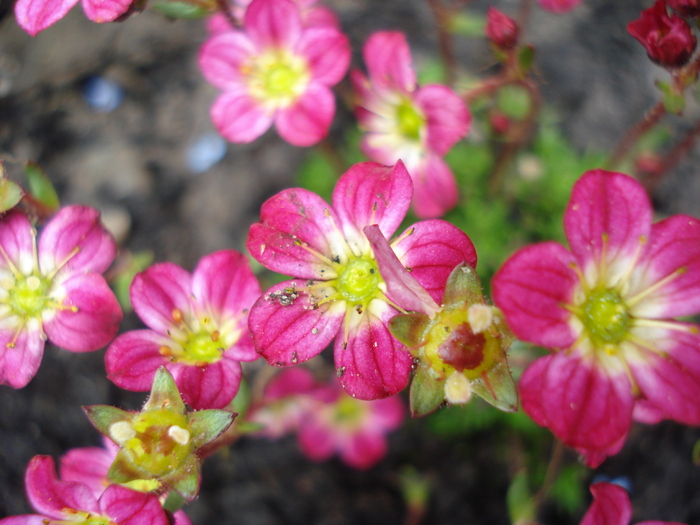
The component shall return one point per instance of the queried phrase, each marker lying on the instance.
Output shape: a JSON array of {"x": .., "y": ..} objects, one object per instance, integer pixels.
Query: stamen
[
  {"x": 624, "y": 278},
  {"x": 401, "y": 237},
  {"x": 668, "y": 325},
  {"x": 9, "y": 262},
  {"x": 53, "y": 273},
  {"x": 317, "y": 254},
  {"x": 575, "y": 267},
  {"x": 603, "y": 263},
  {"x": 659, "y": 284},
  {"x": 12, "y": 343}
]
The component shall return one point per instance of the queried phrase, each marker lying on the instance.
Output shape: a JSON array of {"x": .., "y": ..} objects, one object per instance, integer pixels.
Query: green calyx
[
  {"x": 28, "y": 295},
  {"x": 410, "y": 122},
  {"x": 605, "y": 317},
  {"x": 359, "y": 280}
]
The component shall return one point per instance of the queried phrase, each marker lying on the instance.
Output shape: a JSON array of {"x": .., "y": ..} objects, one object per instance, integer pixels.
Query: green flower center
[
  {"x": 359, "y": 280},
  {"x": 161, "y": 442},
  {"x": 203, "y": 347},
  {"x": 410, "y": 122},
  {"x": 605, "y": 317},
  {"x": 28, "y": 296},
  {"x": 277, "y": 78},
  {"x": 348, "y": 411}
]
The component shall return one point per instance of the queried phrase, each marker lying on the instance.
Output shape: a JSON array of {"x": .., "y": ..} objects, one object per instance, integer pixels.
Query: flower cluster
[
  {"x": 326, "y": 419},
  {"x": 605, "y": 308}
]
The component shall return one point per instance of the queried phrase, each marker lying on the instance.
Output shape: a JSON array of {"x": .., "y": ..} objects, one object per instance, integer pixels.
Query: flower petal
[
  {"x": 448, "y": 118},
  {"x": 87, "y": 465},
  {"x": 133, "y": 359},
  {"x": 364, "y": 449},
  {"x": 316, "y": 441},
  {"x": 372, "y": 364},
  {"x": 611, "y": 506},
  {"x": 430, "y": 250},
  {"x": 273, "y": 23},
  {"x": 389, "y": 63},
  {"x": 102, "y": 11},
  {"x": 239, "y": 118},
  {"x": 297, "y": 235},
  {"x": 158, "y": 292},
  {"x": 607, "y": 205},
  {"x": 89, "y": 315},
  {"x": 287, "y": 334},
  {"x": 327, "y": 51},
  {"x": 307, "y": 121},
  {"x": 211, "y": 386},
  {"x": 76, "y": 239},
  {"x": 579, "y": 402},
  {"x": 20, "y": 355},
  {"x": 531, "y": 288},
  {"x": 434, "y": 188},
  {"x": 36, "y": 15},
  {"x": 17, "y": 242},
  {"x": 131, "y": 507},
  {"x": 369, "y": 193},
  {"x": 223, "y": 56}
]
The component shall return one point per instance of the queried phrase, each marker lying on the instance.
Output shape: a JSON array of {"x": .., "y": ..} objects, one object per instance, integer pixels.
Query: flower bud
[
  {"x": 501, "y": 29},
  {"x": 686, "y": 8},
  {"x": 669, "y": 40}
]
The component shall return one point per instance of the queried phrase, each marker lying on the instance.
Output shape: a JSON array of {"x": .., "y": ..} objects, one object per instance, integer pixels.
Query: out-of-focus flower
[
  {"x": 501, "y": 29},
  {"x": 669, "y": 40},
  {"x": 687, "y": 8},
  {"x": 404, "y": 122},
  {"x": 53, "y": 289},
  {"x": 611, "y": 506},
  {"x": 64, "y": 502},
  {"x": 163, "y": 441},
  {"x": 558, "y": 6},
  {"x": 605, "y": 308},
  {"x": 36, "y": 15},
  {"x": 276, "y": 70},
  {"x": 198, "y": 329},
  {"x": 339, "y": 291}
]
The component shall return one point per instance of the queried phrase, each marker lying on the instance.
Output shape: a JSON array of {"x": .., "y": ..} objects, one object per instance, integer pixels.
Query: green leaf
[
  {"x": 468, "y": 24},
  {"x": 674, "y": 102},
  {"x": 521, "y": 504},
  {"x": 514, "y": 101},
  {"x": 568, "y": 490},
  {"x": 526, "y": 58},
  {"x": 427, "y": 391},
  {"x": 137, "y": 262},
  {"x": 180, "y": 10},
  {"x": 10, "y": 194},
  {"x": 41, "y": 187}
]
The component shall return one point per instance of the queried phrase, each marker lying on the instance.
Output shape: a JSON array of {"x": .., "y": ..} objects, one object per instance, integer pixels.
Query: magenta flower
[
  {"x": 53, "y": 289},
  {"x": 611, "y": 506},
  {"x": 36, "y": 15},
  {"x": 606, "y": 310},
  {"x": 559, "y": 6},
  {"x": 339, "y": 289},
  {"x": 405, "y": 122},
  {"x": 197, "y": 329},
  {"x": 64, "y": 502},
  {"x": 275, "y": 71}
]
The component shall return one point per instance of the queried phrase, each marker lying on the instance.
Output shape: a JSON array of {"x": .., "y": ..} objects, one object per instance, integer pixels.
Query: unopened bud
[
  {"x": 686, "y": 8},
  {"x": 501, "y": 29}
]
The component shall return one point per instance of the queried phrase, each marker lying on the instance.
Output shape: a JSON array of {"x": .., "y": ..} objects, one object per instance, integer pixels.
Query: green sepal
[
  {"x": 124, "y": 471},
  {"x": 164, "y": 393},
  {"x": 463, "y": 287},
  {"x": 185, "y": 480},
  {"x": 180, "y": 10},
  {"x": 207, "y": 425},
  {"x": 10, "y": 194},
  {"x": 674, "y": 102},
  {"x": 409, "y": 329},
  {"x": 41, "y": 187},
  {"x": 427, "y": 391},
  {"x": 104, "y": 416},
  {"x": 526, "y": 58},
  {"x": 496, "y": 387},
  {"x": 174, "y": 502}
]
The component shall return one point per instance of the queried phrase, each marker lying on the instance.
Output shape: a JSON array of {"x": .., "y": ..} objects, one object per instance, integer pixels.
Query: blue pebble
[
  {"x": 206, "y": 152},
  {"x": 102, "y": 94}
]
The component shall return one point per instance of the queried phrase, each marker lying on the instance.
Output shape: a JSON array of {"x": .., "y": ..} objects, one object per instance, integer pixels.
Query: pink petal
[
  {"x": 327, "y": 51},
  {"x": 273, "y": 23},
  {"x": 434, "y": 188},
  {"x": 36, "y": 15},
  {"x": 296, "y": 226},
  {"x": 287, "y": 335},
  {"x": 430, "y": 250},
  {"x": 17, "y": 242},
  {"x": 53, "y": 497},
  {"x": 531, "y": 288},
  {"x": 386, "y": 414},
  {"x": 26, "y": 519},
  {"x": 224, "y": 285},
  {"x": 158, "y": 292},
  {"x": 364, "y": 450},
  {"x": 320, "y": 17},
  {"x": 402, "y": 287},
  {"x": 388, "y": 60},
  {"x": 607, "y": 204},
  {"x": 558, "y": 6},
  {"x": 579, "y": 402},
  {"x": 244, "y": 348},
  {"x": 130, "y": 507},
  {"x": 674, "y": 246},
  {"x": 96, "y": 319},
  {"x": 211, "y": 386},
  {"x": 316, "y": 441},
  {"x": 87, "y": 465},
  {"x": 372, "y": 365},
  {"x": 239, "y": 118},
  {"x": 611, "y": 506},
  {"x": 288, "y": 382},
  {"x": 307, "y": 121},
  {"x": 102, "y": 11},
  {"x": 222, "y": 58},
  {"x": 76, "y": 238},
  {"x": 133, "y": 359},
  {"x": 19, "y": 363},
  {"x": 448, "y": 118},
  {"x": 369, "y": 193}
]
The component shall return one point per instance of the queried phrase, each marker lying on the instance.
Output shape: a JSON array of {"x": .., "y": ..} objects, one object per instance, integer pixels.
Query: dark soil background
[{"x": 131, "y": 164}]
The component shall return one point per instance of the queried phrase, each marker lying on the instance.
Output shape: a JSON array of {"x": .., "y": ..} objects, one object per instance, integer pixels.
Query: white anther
[
  {"x": 121, "y": 431},
  {"x": 180, "y": 435},
  {"x": 458, "y": 390},
  {"x": 480, "y": 317}
]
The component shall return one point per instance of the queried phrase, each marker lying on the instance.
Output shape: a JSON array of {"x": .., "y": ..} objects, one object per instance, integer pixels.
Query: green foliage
[
  {"x": 521, "y": 504},
  {"x": 514, "y": 101},
  {"x": 137, "y": 262},
  {"x": 180, "y": 10},
  {"x": 40, "y": 187},
  {"x": 468, "y": 24},
  {"x": 568, "y": 490}
]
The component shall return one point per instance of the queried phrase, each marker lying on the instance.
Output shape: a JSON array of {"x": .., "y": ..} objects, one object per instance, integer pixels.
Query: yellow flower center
[
  {"x": 359, "y": 280},
  {"x": 277, "y": 78},
  {"x": 27, "y": 295},
  {"x": 606, "y": 317},
  {"x": 410, "y": 121}
]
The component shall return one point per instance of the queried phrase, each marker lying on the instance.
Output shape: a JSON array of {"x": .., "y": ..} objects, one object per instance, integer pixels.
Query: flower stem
[
  {"x": 442, "y": 19},
  {"x": 623, "y": 147}
]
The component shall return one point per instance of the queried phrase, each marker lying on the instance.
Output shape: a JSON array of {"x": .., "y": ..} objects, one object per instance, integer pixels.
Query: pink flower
[
  {"x": 197, "y": 329},
  {"x": 611, "y": 506},
  {"x": 275, "y": 71},
  {"x": 339, "y": 291},
  {"x": 53, "y": 289},
  {"x": 559, "y": 6},
  {"x": 606, "y": 310},
  {"x": 669, "y": 40},
  {"x": 501, "y": 29},
  {"x": 36, "y": 15},
  {"x": 64, "y": 502},
  {"x": 687, "y": 8},
  {"x": 405, "y": 122}
]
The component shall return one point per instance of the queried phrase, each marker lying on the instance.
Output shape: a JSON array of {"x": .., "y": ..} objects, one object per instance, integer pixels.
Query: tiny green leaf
[
  {"x": 10, "y": 194},
  {"x": 180, "y": 10},
  {"x": 427, "y": 391},
  {"x": 41, "y": 187},
  {"x": 521, "y": 504}
]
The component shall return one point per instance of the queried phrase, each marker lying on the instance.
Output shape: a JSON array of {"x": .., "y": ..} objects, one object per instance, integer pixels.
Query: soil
[{"x": 131, "y": 164}]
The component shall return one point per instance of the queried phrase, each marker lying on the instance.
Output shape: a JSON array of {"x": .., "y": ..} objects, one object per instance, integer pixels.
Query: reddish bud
[
  {"x": 501, "y": 29},
  {"x": 687, "y": 8},
  {"x": 499, "y": 122},
  {"x": 669, "y": 40}
]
